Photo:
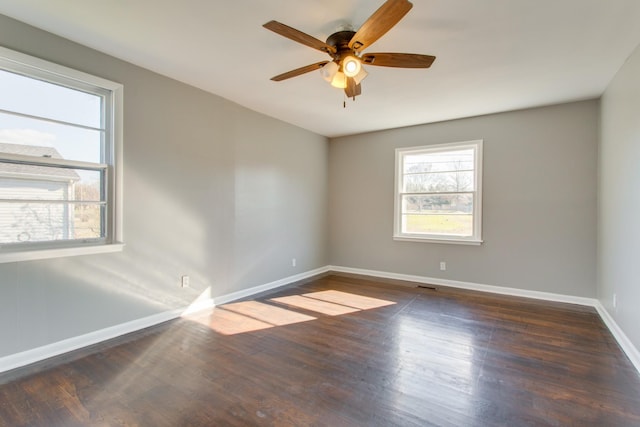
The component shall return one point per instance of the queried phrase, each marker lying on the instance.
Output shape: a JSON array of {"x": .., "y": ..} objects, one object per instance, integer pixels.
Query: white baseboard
[
  {"x": 625, "y": 343},
  {"x": 627, "y": 346},
  {"x": 547, "y": 296},
  {"x": 38, "y": 354},
  {"x": 44, "y": 352},
  {"x": 198, "y": 305},
  {"x": 268, "y": 286}
]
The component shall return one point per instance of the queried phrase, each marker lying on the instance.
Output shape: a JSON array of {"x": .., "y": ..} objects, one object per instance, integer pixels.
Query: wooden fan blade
[
  {"x": 298, "y": 36},
  {"x": 352, "y": 90},
  {"x": 299, "y": 71},
  {"x": 400, "y": 60},
  {"x": 382, "y": 20}
]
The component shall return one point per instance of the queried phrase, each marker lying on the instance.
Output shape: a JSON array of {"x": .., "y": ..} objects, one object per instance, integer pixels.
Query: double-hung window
[
  {"x": 438, "y": 195},
  {"x": 60, "y": 154}
]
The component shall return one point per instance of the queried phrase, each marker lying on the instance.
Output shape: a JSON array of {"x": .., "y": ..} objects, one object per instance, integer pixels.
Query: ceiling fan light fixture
[
  {"x": 351, "y": 66},
  {"x": 360, "y": 76},
  {"x": 339, "y": 80},
  {"x": 329, "y": 71},
  {"x": 345, "y": 69}
]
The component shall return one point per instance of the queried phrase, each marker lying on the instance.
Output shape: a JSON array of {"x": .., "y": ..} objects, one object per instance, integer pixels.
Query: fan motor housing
[{"x": 340, "y": 41}]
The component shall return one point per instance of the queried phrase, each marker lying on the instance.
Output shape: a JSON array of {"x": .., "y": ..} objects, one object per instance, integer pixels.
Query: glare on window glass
[
  {"x": 439, "y": 162},
  {"x": 70, "y": 142},
  {"x": 34, "y": 97}
]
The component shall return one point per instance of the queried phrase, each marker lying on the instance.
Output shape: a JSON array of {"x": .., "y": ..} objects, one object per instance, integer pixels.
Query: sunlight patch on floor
[
  {"x": 230, "y": 323},
  {"x": 349, "y": 300},
  {"x": 271, "y": 314},
  {"x": 312, "y": 304},
  {"x": 248, "y": 316}
]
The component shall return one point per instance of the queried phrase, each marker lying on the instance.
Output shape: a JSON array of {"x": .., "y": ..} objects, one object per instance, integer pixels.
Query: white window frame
[
  {"x": 476, "y": 237},
  {"x": 112, "y": 167}
]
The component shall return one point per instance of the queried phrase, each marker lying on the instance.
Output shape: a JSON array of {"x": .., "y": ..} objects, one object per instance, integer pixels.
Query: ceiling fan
[{"x": 345, "y": 70}]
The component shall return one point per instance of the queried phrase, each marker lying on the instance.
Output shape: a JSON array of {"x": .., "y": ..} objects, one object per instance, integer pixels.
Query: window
[
  {"x": 60, "y": 149},
  {"x": 438, "y": 193}
]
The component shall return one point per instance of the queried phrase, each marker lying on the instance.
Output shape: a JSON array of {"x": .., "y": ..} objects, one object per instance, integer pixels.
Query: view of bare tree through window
[
  {"x": 438, "y": 192},
  {"x": 87, "y": 218}
]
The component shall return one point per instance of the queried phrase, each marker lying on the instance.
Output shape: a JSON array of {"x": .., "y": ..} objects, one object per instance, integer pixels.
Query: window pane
[
  {"x": 45, "y": 222},
  {"x": 27, "y": 182},
  {"x": 438, "y": 214},
  {"x": 438, "y": 182},
  {"x": 20, "y": 135},
  {"x": 38, "y": 98},
  {"x": 457, "y": 225},
  {"x": 53, "y": 219},
  {"x": 455, "y": 160},
  {"x": 450, "y": 204}
]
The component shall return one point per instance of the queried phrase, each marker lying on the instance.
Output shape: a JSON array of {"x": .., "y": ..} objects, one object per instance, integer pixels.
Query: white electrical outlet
[
  {"x": 184, "y": 282},
  {"x": 443, "y": 266},
  {"x": 293, "y": 262},
  {"x": 615, "y": 301}
]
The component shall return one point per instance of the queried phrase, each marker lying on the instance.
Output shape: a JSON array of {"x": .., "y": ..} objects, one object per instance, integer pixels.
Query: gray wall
[
  {"x": 212, "y": 190},
  {"x": 619, "y": 199},
  {"x": 539, "y": 201}
]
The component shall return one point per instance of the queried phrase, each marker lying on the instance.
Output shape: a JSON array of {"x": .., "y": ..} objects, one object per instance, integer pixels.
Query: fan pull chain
[{"x": 344, "y": 100}]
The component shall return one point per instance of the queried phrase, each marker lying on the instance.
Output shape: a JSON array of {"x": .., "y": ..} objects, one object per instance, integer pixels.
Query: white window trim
[
  {"x": 41, "y": 68},
  {"x": 476, "y": 239}
]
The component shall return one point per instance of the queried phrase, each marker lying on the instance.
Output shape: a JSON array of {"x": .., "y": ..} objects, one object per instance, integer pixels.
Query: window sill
[
  {"x": 436, "y": 240},
  {"x": 37, "y": 254}
]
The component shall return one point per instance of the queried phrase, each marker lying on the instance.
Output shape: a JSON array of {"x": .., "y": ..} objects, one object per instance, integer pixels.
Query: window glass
[
  {"x": 34, "y": 97},
  {"x": 438, "y": 192},
  {"x": 17, "y": 134},
  {"x": 439, "y": 182},
  {"x": 48, "y": 222}
]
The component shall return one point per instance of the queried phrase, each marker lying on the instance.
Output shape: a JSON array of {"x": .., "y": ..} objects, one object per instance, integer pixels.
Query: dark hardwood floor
[{"x": 345, "y": 351}]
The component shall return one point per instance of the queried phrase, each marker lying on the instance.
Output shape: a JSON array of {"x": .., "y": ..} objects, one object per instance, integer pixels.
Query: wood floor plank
[{"x": 344, "y": 351}]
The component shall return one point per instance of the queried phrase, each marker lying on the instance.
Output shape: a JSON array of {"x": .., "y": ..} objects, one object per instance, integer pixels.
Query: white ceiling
[{"x": 492, "y": 55}]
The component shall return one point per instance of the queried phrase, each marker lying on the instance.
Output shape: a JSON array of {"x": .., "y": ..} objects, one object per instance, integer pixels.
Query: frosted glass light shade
[
  {"x": 329, "y": 71},
  {"x": 360, "y": 76},
  {"x": 339, "y": 80}
]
